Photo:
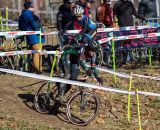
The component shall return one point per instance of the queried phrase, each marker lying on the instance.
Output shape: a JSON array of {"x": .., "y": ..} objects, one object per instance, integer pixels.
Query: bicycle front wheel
[{"x": 82, "y": 108}]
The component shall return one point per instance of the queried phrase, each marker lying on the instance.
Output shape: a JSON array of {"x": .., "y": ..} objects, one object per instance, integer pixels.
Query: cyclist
[{"x": 76, "y": 53}]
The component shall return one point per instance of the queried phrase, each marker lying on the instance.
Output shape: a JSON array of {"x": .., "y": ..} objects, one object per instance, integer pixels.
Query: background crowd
[{"x": 123, "y": 12}]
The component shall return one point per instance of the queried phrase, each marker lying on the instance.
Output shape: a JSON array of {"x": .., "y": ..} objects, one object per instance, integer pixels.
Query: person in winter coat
[
  {"x": 28, "y": 21},
  {"x": 147, "y": 8},
  {"x": 88, "y": 7},
  {"x": 104, "y": 14},
  {"x": 124, "y": 10},
  {"x": 65, "y": 15}
]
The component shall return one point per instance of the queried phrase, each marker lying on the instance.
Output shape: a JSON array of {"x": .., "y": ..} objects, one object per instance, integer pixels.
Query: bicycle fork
[{"x": 83, "y": 102}]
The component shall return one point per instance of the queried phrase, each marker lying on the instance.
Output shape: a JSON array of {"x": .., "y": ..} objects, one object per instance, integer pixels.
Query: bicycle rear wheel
[
  {"x": 82, "y": 108},
  {"x": 99, "y": 53},
  {"x": 45, "y": 98},
  {"x": 136, "y": 54},
  {"x": 120, "y": 58}
]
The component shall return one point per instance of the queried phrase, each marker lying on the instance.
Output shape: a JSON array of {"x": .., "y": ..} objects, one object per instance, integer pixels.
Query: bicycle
[
  {"x": 46, "y": 98},
  {"x": 81, "y": 107}
]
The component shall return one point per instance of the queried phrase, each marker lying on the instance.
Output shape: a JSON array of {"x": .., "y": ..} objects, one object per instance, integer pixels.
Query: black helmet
[
  {"x": 67, "y": 1},
  {"x": 27, "y": 4},
  {"x": 106, "y": 0},
  {"x": 90, "y": 1}
]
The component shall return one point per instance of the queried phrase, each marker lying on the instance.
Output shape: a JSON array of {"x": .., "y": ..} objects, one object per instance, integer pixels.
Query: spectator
[
  {"x": 88, "y": 7},
  {"x": 28, "y": 21},
  {"x": 147, "y": 8},
  {"x": 124, "y": 10},
  {"x": 81, "y": 3},
  {"x": 65, "y": 14},
  {"x": 104, "y": 13}
]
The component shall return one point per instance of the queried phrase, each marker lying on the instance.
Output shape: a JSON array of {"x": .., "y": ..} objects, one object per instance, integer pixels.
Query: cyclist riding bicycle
[{"x": 74, "y": 54}]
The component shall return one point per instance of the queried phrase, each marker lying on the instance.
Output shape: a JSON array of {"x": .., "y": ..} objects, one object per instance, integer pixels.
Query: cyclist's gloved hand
[
  {"x": 78, "y": 37},
  {"x": 89, "y": 72},
  {"x": 99, "y": 80}
]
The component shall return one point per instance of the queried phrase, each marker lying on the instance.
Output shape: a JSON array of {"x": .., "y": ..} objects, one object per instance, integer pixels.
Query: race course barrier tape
[
  {"x": 12, "y": 34},
  {"x": 65, "y": 81},
  {"x": 11, "y": 25},
  {"x": 147, "y": 77},
  {"x": 113, "y": 72},
  {"x": 131, "y": 28},
  {"x": 77, "y": 83},
  {"x": 13, "y": 53},
  {"x": 21, "y": 33},
  {"x": 115, "y": 29},
  {"x": 129, "y": 37},
  {"x": 42, "y": 52}
]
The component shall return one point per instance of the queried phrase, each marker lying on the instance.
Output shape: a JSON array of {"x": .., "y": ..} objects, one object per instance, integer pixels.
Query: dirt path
[
  {"x": 16, "y": 106},
  {"x": 16, "y": 101}
]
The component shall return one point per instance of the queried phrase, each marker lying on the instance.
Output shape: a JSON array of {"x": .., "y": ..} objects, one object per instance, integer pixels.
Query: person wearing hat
[
  {"x": 64, "y": 15},
  {"x": 28, "y": 21},
  {"x": 81, "y": 3}
]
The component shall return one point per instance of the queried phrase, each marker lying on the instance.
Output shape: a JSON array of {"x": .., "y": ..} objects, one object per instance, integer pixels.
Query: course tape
[
  {"x": 147, "y": 77},
  {"x": 65, "y": 81},
  {"x": 131, "y": 28},
  {"x": 123, "y": 75},
  {"x": 42, "y": 52},
  {"x": 129, "y": 37},
  {"x": 13, "y": 34},
  {"x": 77, "y": 83},
  {"x": 100, "y": 30},
  {"x": 10, "y": 25},
  {"x": 114, "y": 73}
]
